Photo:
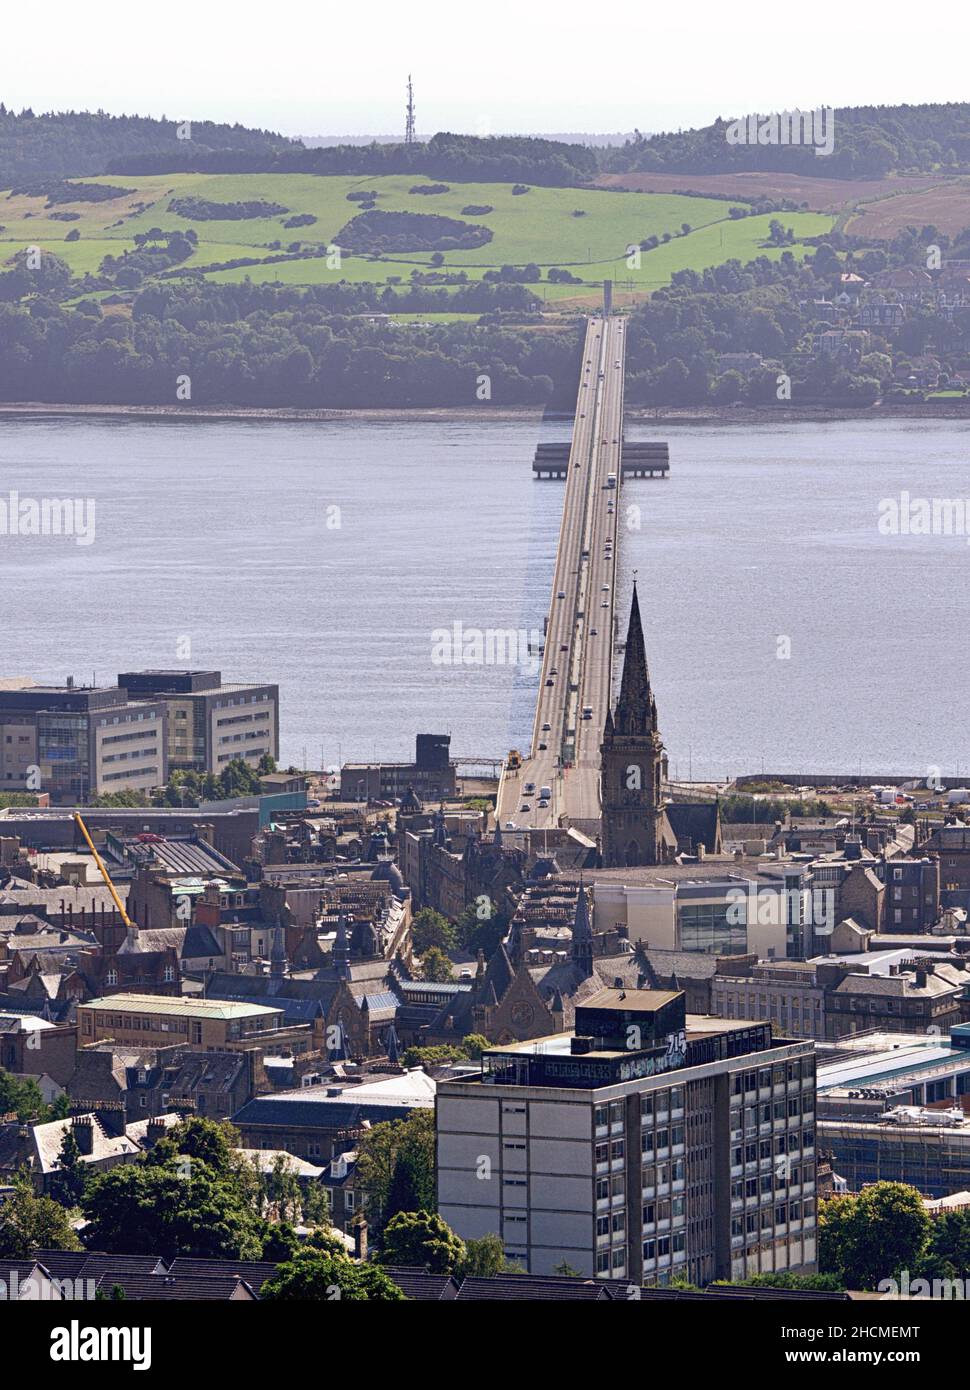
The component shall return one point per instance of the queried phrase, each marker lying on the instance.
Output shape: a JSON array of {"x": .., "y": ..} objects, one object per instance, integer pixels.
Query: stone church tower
[{"x": 632, "y": 763}]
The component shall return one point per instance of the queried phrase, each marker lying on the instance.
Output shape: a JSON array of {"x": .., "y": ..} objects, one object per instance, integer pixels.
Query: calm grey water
[{"x": 223, "y": 533}]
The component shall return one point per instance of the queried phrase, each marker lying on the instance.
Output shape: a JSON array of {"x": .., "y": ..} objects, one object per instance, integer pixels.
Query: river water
[{"x": 784, "y": 630}]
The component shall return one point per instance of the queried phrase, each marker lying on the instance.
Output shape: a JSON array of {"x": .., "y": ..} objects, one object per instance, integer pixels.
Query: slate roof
[
  {"x": 692, "y": 965},
  {"x": 96, "y": 1264},
  {"x": 254, "y": 1272},
  {"x": 199, "y": 941},
  {"x": 694, "y": 823},
  {"x": 48, "y": 1138},
  {"x": 153, "y": 941},
  {"x": 391, "y": 1098},
  {"x": 336, "y": 1115},
  {"x": 422, "y": 1286},
  {"x": 507, "y": 1288},
  {"x": 905, "y": 986},
  {"x": 151, "y": 1288}
]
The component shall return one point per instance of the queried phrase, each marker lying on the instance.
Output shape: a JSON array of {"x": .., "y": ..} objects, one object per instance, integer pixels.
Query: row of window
[
  {"x": 768, "y": 1217},
  {"x": 777, "y": 1075}
]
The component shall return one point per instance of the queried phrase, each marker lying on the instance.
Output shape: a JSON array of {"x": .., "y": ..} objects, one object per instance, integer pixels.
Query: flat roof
[
  {"x": 696, "y": 1025},
  {"x": 907, "y": 1058},
  {"x": 165, "y": 1004},
  {"x": 623, "y": 1000}
]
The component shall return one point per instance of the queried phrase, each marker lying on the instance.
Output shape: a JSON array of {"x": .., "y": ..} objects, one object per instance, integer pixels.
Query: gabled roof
[
  {"x": 531, "y": 1287},
  {"x": 422, "y": 1286},
  {"x": 47, "y": 1139}
]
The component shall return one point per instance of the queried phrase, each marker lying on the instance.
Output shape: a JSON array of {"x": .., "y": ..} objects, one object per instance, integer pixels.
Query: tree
[
  {"x": 565, "y": 1270},
  {"x": 948, "y": 1252},
  {"x": 785, "y": 1280},
  {"x": 481, "y": 927},
  {"x": 422, "y": 1239},
  {"x": 316, "y": 1277},
  {"x": 282, "y": 1190},
  {"x": 213, "y": 1142},
  {"x": 475, "y": 1044},
  {"x": 21, "y": 1096},
  {"x": 429, "y": 928},
  {"x": 29, "y": 1222},
  {"x": 872, "y": 1236},
  {"x": 436, "y": 966},
  {"x": 484, "y": 1258},
  {"x": 436, "y": 1055},
  {"x": 173, "y": 1208},
  {"x": 379, "y": 1150},
  {"x": 70, "y": 1179}
]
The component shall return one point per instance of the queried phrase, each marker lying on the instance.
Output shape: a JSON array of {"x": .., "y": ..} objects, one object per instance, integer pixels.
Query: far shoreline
[{"x": 667, "y": 416}]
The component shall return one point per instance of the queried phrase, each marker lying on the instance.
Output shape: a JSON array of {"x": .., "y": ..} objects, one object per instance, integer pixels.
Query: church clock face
[{"x": 522, "y": 1014}]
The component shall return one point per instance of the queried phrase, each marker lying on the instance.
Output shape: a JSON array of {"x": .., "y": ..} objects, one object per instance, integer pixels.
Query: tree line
[
  {"x": 869, "y": 142},
  {"x": 71, "y": 144}
]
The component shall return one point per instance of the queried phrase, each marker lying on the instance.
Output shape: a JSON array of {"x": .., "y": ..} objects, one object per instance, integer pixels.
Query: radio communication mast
[{"x": 409, "y": 125}]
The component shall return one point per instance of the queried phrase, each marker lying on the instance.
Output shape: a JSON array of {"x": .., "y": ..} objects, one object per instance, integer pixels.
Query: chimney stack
[
  {"x": 154, "y": 1130},
  {"x": 82, "y": 1127},
  {"x": 360, "y": 1240},
  {"x": 111, "y": 1114}
]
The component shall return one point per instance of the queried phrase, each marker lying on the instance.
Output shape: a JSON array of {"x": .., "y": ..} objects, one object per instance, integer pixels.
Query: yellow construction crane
[{"x": 104, "y": 872}]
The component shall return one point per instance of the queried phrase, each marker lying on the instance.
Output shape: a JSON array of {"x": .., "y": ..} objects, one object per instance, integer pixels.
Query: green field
[{"x": 540, "y": 226}]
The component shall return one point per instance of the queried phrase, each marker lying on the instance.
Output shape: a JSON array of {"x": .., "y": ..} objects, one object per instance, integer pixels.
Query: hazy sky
[{"x": 321, "y": 69}]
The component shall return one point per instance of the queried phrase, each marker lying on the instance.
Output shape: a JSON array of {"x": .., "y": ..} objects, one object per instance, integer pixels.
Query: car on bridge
[
  {"x": 547, "y": 728},
  {"x": 523, "y": 808}
]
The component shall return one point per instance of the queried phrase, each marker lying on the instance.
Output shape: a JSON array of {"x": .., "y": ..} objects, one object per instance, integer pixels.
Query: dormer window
[{"x": 112, "y": 977}]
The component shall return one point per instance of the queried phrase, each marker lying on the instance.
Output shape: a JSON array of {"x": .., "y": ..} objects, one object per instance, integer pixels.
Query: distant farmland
[{"x": 584, "y": 231}]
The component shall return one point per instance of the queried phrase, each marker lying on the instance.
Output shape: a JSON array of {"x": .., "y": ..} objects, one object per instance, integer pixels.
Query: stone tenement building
[{"x": 447, "y": 871}]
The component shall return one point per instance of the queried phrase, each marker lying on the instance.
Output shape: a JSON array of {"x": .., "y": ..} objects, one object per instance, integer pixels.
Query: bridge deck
[{"x": 578, "y": 657}]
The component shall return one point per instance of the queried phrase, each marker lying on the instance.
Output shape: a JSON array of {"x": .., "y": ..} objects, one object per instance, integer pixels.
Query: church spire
[
  {"x": 582, "y": 934},
  {"x": 636, "y": 710},
  {"x": 341, "y": 949},
  {"x": 632, "y": 762}
]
